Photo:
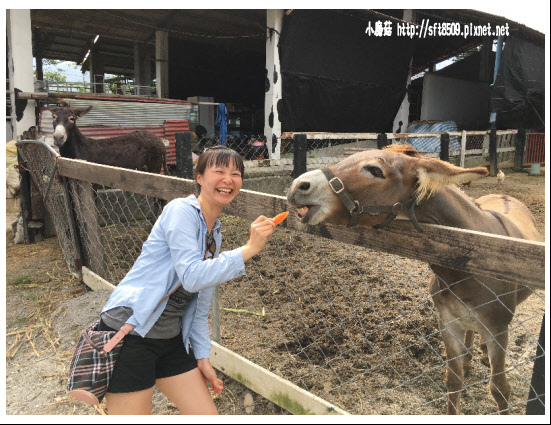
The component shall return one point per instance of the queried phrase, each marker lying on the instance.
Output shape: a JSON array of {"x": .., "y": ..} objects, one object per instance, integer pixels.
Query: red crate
[{"x": 535, "y": 148}]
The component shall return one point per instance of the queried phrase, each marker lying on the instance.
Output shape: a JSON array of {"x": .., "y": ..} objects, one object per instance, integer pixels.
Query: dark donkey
[{"x": 139, "y": 150}]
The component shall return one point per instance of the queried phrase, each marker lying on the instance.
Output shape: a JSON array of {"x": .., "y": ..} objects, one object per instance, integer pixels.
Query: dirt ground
[{"x": 46, "y": 308}]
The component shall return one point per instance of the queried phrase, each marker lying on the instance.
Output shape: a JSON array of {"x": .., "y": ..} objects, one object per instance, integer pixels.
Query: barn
[
  {"x": 277, "y": 72},
  {"x": 289, "y": 70}
]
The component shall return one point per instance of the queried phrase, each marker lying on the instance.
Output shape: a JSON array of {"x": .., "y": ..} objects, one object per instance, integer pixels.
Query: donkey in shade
[
  {"x": 139, "y": 150},
  {"x": 379, "y": 179}
]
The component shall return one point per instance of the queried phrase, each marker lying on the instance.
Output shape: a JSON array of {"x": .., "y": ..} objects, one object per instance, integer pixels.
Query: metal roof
[{"x": 68, "y": 34}]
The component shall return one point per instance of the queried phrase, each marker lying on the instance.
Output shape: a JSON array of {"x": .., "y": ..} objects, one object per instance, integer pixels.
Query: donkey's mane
[{"x": 403, "y": 148}]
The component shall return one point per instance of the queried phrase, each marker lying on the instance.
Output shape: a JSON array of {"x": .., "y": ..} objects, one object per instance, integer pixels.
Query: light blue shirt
[{"x": 173, "y": 254}]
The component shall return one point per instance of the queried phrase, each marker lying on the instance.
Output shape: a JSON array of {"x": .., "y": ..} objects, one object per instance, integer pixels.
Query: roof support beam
[
  {"x": 20, "y": 68},
  {"x": 161, "y": 61},
  {"x": 272, "y": 124}
]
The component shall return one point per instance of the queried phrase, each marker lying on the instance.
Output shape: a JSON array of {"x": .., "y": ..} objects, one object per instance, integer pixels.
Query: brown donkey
[{"x": 376, "y": 186}]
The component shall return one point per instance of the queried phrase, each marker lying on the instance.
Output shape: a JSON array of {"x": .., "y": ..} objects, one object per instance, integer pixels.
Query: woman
[{"x": 167, "y": 293}]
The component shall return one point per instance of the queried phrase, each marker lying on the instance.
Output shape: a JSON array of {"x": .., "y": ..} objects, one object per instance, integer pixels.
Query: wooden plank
[
  {"x": 94, "y": 281},
  {"x": 276, "y": 389},
  {"x": 514, "y": 260},
  {"x": 87, "y": 214},
  {"x": 156, "y": 185}
]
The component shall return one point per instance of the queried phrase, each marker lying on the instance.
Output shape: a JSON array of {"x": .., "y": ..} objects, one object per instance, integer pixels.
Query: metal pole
[
  {"x": 493, "y": 149},
  {"x": 299, "y": 154}
]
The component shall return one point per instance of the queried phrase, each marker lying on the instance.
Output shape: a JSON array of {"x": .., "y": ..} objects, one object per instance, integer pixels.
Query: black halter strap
[{"x": 355, "y": 209}]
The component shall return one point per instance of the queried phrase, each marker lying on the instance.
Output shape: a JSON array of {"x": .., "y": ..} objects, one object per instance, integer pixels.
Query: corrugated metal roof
[
  {"x": 127, "y": 114},
  {"x": 105, "y": 113}
]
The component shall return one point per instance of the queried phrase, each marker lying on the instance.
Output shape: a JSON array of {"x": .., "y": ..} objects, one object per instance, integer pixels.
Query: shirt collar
[{"x": 192, "y": 199}]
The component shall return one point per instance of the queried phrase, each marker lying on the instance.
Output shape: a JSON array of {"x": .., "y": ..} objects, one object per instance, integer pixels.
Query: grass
[
  {"x": 22, "y": 279},
  {"x": 34, "y": 297}
]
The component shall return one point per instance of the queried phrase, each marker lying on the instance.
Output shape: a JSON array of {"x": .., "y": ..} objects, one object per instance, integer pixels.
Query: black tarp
[
  {"x": 518, "y": 94},
  {"x": 336, "y": 77}
]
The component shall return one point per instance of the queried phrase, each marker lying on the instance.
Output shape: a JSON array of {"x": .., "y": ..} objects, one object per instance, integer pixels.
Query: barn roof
[{"x": 66, "y": 34}]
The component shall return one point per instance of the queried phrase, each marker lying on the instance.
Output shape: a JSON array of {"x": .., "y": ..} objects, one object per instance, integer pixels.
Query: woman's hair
[{"x": 218, "y": 156}]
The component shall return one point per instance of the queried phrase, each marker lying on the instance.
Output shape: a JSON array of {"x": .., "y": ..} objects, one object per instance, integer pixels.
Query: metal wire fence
[{"x": 353, "y": 326}]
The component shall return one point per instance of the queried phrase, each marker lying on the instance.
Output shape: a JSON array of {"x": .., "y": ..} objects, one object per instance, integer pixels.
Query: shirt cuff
[{"x": 236, "y": 257}]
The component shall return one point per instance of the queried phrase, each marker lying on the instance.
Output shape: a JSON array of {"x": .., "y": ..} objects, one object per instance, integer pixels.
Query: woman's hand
[
  {"x": 210, "y": 375},
  {"x": 261, "y": 229}
]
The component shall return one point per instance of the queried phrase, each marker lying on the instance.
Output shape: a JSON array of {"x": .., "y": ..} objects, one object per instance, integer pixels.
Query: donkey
[
  {"x": 139, "y": 150},
  {"x": 385, "y": 184}
]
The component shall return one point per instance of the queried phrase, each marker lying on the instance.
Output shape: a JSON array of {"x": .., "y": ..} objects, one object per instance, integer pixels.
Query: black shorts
[{"x": 141, "y": 361}]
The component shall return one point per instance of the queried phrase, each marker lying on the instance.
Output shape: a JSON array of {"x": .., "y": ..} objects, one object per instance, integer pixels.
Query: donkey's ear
[
  {"x": 79, "y": 112},
  {"x": 434, "y": 174}
]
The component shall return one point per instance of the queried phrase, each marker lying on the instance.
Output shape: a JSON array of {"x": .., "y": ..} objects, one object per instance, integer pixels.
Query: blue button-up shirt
[{"x": 174, "y": 254}]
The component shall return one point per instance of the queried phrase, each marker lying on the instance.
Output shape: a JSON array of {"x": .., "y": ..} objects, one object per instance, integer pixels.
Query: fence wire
[{"x": 353, "y": 326}]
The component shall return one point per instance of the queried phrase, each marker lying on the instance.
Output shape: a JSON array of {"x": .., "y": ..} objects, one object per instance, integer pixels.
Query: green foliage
[{"x": 54, "y": 76}]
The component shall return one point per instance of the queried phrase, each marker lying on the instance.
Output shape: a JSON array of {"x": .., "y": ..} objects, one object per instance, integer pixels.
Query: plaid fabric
[{"x": 91, "y": 368}]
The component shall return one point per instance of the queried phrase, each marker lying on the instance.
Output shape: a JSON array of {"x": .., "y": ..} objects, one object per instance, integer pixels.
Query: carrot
[{"x": 280, "y": 217}]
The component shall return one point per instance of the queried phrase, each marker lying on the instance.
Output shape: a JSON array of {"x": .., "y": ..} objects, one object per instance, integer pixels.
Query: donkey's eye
[
  {"x": 54, "y": 116},
  {"x": 374, "y": 171},
  {"x": 72, "y": 119}
]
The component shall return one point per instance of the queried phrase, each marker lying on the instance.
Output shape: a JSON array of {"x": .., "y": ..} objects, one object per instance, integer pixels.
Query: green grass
[
  {"x": 22, "y": 279},
  {"x": 34, "y": 297}
]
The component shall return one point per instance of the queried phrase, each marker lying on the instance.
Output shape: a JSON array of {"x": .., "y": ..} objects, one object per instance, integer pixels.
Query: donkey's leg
[
  {"x": 469, "y": 340},
  {"x": 455, "y": 350},
  {"x": 499, "y": 384},
  {"x": 485, "y": 360}
]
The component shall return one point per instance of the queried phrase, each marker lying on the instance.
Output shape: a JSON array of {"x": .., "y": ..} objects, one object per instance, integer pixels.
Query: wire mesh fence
[{"x": 353, "y": 326}]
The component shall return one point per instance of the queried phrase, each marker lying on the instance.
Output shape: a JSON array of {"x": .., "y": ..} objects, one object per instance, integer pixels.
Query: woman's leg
[
  {"x": 134, "y": 403},
  {"x": 189, "y": 392}
]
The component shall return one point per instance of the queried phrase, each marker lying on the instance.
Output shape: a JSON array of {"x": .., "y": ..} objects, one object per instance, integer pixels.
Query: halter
[{"x": 355, "y": 209}]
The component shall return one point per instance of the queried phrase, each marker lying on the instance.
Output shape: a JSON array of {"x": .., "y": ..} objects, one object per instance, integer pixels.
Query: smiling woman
[{"x": 166, "y": 295}]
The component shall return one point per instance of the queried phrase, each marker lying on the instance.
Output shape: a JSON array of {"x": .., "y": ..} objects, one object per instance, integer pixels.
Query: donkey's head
[
  {"x": 378, "y": 182},
  {"x": 65, "y": 121}
]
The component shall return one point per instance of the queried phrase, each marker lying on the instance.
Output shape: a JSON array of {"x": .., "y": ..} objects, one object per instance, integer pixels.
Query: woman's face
[{"x": 220, "y": 184}]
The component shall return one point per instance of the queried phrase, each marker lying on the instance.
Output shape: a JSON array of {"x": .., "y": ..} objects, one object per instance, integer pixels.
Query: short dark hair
[{"x": 218, "y": 156}]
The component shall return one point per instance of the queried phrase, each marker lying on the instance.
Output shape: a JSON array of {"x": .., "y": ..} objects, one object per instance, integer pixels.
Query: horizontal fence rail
[
  {"x": 343, "y": 314},
  {"x": 515, "y": 260}
]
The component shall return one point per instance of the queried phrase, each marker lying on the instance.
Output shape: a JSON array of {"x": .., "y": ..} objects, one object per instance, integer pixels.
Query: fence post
[
  {"x": 184, "y": 160},
  {"x": 26, "y": 205},
  {"x": 463, "y": 148},
  {"x": 519, "y": 149},
  {"x": 445, "y": 147},
  {"x": 77, "y": 260},
  {"x": 382, "y": 140},
  {"x": 493, "y": 149},
  {"x": 299, "y": 154},
  {"x": 536, "y": 395}
]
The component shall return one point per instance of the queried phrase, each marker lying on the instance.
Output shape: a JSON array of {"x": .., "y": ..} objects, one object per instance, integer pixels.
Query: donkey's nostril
[{"x": 304, "y": 186}]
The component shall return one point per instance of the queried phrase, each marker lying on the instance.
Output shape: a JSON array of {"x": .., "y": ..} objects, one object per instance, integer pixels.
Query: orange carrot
[{"x": 280, "y": 217}]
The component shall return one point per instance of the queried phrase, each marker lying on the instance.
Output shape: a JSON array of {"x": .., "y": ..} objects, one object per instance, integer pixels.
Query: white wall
[{"x": 447, "y": 98}]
